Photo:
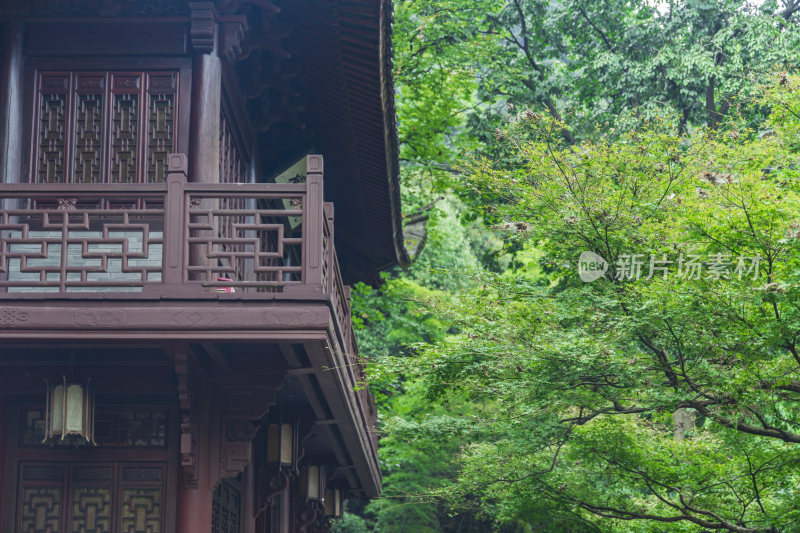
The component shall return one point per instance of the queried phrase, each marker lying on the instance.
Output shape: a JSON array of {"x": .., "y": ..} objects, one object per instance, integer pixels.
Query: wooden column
[
  {"x": 195, "y": 493},
  {"x": 10, "y": 102},
  {"x": 10, "y": 111},
  {"x": 194, "y": 510},
  {"x": 206, "y": 91}
]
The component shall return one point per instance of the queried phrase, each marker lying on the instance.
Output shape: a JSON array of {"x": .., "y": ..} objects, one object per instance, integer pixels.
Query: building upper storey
[{"x": 102, "y": 91}]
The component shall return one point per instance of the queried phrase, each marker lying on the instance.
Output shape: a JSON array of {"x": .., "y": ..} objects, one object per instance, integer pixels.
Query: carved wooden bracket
[
  {"x": 188, "y": 440},
  {"x": 203, "y": 20},
  {"x": 271, "y": 483},
  {"x": 323, "y": 525},
  {"x": 233, "y": 29},
  {"x": 307, "y": 514},
  {"x": 240, "y": 407}
]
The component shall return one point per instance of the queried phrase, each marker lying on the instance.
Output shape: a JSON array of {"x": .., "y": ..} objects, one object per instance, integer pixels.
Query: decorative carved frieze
[
  {"x": 99, "y": 317},
  {"x": 10, "y": 317}
]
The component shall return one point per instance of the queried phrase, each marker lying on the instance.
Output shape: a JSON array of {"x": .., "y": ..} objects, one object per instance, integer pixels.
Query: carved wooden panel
[
  {"x": 91, "y": 509},
  {"x": 41, "y": 510},
  {"x": 73, "y": 111},
  {"x": 75, "y": 244},
  {"x": 141, "y": 510},
  {"x": 160, "y": 135},
  {"x": 124, "y": 138},
  {"x": 52, "y": 110},
  {"x": 89, "y": 130},
  {"x": 91, "y": 496},
  {"x": 248, "y": 245}
]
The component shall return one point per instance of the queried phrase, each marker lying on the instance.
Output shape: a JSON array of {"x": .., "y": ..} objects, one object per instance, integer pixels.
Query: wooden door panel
[{"x": 125, "y": 497}]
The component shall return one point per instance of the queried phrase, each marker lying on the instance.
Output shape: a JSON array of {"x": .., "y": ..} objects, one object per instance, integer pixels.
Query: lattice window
[
  {"x": 141, "y": 510},
  {"x": 226, "y": 508},
  {"x": 114, "y": 427},
  {"x": 41, "y": 509},
  {"x": 91, "y": 497},
  {"x": 91, "y": 509},
  {"x": 74, "y": 110}
]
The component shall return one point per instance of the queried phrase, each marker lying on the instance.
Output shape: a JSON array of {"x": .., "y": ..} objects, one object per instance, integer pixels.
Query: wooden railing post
[
  {"x": 330, "y": 249},
  {"x": 348, "y": 328},
  {"x": 312, "y": 225},
  {"x": 175, "y": 220}
]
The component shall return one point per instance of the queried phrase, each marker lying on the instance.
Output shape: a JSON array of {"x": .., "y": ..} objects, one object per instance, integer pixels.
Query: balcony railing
[{"x": 67, "y": 238}]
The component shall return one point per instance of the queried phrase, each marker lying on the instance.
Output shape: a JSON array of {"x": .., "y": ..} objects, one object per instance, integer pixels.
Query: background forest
[{"x": 662, "y": 136}]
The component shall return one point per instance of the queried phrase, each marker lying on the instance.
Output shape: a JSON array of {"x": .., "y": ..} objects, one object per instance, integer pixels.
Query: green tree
[
  {"x": 669, "y": 400},
  {"x": 465, "y": 71}
]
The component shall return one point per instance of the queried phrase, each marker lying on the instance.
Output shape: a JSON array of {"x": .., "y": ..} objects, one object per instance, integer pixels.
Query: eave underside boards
[{"x": 337, "y": 44}]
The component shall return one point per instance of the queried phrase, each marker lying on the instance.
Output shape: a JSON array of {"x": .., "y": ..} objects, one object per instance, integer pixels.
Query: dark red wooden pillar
[
  {"x": 10, "y": 102},
  {"x": 194, "y": 510},
  {"x": 206, "y": 95},
  {"x": 195, "y": 494}
]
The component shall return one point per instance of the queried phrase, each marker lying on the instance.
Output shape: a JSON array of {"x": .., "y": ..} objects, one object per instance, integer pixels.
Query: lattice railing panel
[
  {"x": 253, "y": 248},
  {"x": 80, "y": 244}
]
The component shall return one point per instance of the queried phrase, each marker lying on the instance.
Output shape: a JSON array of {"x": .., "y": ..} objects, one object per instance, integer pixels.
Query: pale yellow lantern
[
  {"x": 333, "y": 503},
  {"x": 69, "y": 413},
  {"x": 313, "y": 481},
  {"x": 282, "y": 444}
]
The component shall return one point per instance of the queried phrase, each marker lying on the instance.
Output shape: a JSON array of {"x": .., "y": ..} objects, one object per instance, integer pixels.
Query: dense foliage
[{"x": 662, "y": 394}]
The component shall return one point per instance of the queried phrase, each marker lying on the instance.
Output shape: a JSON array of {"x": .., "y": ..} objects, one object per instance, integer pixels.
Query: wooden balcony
[{"x": 187, "y": 262}]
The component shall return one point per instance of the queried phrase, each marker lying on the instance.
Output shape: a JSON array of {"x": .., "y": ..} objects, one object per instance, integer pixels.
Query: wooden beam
[{"x": 220, "y": 359}]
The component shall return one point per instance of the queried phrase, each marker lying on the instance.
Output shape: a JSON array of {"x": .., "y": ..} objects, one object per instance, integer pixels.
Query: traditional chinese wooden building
[{"x": 176, "y": 347}]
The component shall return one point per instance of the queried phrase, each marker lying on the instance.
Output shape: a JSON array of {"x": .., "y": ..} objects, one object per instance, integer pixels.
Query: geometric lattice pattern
[
  {"x": 226, "y": 509},
  {"x": 252, "y": 246},
  {"x": 91, "y": 498},
  {"x": 91, "y": 509},
  {"x": 41, "y": 509},
  {"x": 104, "y": 127},
  {"x": 141, "y": 510},
  {"x": 52, "y": 138},
  {"x": 80, "y": 248},
  {"x": 124, "y": 138},
  {"x": 160, "y": 135},
  {"x": 113, "y": 427},
  {"x": 88, "y": 138}
]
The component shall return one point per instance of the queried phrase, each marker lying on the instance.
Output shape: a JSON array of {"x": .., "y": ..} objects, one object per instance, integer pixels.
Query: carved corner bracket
[
  {"x": 308, "y": 513},
  {"x": 240, "y": 407},
  {"x": 234, "y": 31}
]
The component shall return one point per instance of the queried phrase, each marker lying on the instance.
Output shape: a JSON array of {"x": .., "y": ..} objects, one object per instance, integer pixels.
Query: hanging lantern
[
  {"x": 333, "y": 503},
  {"x": 282, "y": 445},
  {"x": 69, "y": 413},
  {"x": 313, "y": 481}
]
